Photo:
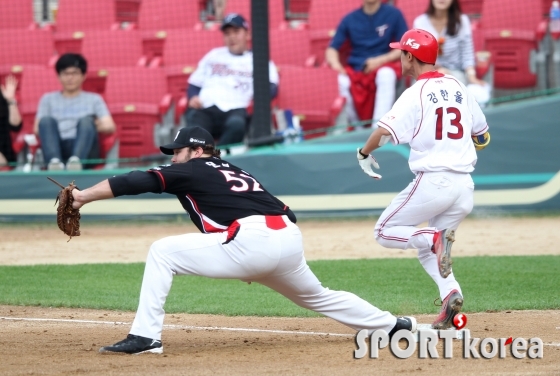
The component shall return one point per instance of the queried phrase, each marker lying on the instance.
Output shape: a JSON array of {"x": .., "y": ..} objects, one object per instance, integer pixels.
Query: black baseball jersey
[{"x": 215, "y": 193}]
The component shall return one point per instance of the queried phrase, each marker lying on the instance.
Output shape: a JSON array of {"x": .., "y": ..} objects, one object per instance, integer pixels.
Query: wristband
[{"x": 362, "y": 154}]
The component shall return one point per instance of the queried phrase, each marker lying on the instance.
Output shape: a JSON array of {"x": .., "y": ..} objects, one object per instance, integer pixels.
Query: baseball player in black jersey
[{"x": 246, "y": 234}]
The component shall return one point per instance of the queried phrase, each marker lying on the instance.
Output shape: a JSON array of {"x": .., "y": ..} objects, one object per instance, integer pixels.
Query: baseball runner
[
  {"x": 246, "y": 234},
  {"x": 437, "y": 116}
]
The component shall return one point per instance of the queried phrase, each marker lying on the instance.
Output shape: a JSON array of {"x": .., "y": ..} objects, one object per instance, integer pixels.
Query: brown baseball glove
[{"x": 67, "y": 218}]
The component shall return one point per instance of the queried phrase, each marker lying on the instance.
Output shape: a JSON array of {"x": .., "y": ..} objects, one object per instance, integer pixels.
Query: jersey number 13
[{"x": 455, "y": 121}]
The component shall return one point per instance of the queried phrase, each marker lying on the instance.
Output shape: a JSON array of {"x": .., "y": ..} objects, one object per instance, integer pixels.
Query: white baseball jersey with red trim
[
  {"x": 227, "y": 79},
  {"x": 437, "y": 117}
]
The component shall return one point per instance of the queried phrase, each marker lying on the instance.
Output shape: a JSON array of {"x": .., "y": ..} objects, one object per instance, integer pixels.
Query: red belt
[{"x": 273, "y": 222}]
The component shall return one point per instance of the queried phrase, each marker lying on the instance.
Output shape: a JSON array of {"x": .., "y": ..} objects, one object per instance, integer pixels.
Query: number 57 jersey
[
  {"x": 437, "y": 116},
  {"x": 215, "y": 193}
]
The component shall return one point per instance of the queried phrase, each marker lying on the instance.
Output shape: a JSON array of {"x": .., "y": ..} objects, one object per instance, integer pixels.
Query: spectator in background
[
  {"x": 221, "y": 87},
  {"x": 10, "y": 120},
  {"x": 444, "y": 20},
  {"x": 67, "y": 121},
  {"x": 373, "y": 67}
]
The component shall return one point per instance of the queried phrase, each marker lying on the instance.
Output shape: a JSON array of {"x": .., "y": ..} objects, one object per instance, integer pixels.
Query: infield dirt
[{"x": 70, "y": 347}]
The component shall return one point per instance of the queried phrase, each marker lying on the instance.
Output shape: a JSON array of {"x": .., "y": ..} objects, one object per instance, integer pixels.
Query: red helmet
[{"x": 421, "y": 44}]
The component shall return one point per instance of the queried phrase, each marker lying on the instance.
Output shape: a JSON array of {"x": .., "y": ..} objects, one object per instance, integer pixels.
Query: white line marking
[
  {"x": 552, "y": 344},
  {"x": 171, "y": 326}
]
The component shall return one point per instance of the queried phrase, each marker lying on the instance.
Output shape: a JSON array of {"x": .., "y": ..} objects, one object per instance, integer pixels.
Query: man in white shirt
[
  {"x": 221, "y": 88},
  {"x": 437, "y": 117}
]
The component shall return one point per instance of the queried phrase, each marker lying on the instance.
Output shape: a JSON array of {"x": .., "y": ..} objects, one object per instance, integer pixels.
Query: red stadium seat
[
  {"x": 182, "y": 51},
  {"x": 16, "y": 14},
  {"x": 75, "y": 15},
  {"x": 24, "y": 47},
  {"x": 471, "y": 7},
  {"x": 276, "y": 12},
  {"x": 411, "y": 9},
  {"x": 34, "y": 83},
  {"x": 172, "y": 14},
  {"x": 324, "y": 17},
  {"x": 511, "y": 37},
  {"x": 137, "y": 100},
  {"x": 290, "y": 47},
  {"x": 127, "y": 10},
  {"x": 116, "y": 48},
  {"x": 317, "y": 105}
]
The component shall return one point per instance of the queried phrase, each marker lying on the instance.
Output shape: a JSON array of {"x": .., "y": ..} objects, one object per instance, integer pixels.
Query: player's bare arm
[
  {"x": 374, "y": 140},
  {"x": 100, "y": 191}
]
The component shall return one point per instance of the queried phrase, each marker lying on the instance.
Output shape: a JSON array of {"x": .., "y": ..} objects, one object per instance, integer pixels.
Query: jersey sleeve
[
  {"x": 175, "y": 178},
  {"x": 341, "y": 34},
  {"x": 199, "y": 75},
  {"x": 479, "y": 119},
  {"x": 99, "y": 107},
  {"x": 43, "y": 109},
  {"x": 401, "y": 120}
]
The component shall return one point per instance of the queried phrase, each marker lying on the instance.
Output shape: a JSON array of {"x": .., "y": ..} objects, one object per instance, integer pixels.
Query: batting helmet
[{"x": 421, "y": 44}]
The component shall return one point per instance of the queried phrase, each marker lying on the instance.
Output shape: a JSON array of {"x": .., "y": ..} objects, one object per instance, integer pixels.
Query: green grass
[{"x": 397, "y": 285}]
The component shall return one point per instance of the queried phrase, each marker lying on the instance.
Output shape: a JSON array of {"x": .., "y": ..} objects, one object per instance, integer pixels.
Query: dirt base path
[{"x": 71, "y": 347}]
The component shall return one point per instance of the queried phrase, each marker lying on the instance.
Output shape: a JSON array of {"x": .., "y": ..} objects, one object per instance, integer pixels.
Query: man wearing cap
[
  {"x": 246, "y": 234},
  {"x": 221, "y": 88},
  {"x": 439, "y": 119}
]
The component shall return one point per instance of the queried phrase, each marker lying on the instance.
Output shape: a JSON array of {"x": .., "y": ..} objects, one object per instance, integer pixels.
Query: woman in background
[
  {"x": 445, "y": 21},
  {"x": 10, "y": 120}
]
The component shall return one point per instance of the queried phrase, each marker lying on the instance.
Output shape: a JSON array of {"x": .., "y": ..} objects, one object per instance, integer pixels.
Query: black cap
[
  {"x": 189, "y": 136},
  {"x": 234, "y": 20}
]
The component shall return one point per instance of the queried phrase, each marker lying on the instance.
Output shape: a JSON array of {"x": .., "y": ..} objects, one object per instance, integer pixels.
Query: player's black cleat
[
  {"x": 404, "y": 322},
  {"x": 134, "y": 345}
]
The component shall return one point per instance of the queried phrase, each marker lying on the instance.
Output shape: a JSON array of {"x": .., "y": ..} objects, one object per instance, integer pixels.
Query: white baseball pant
[
  {"x": 443, "y": 199},
  {"x": 273, "y": 258}
]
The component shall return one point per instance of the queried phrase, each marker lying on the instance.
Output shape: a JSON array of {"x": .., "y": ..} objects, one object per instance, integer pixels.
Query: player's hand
[
  {"x": 195, "y": 102},
  {"x": 367, "y": 164},
  {"x": 373, "y": 63},
  {"x": 77, "y": 203}
]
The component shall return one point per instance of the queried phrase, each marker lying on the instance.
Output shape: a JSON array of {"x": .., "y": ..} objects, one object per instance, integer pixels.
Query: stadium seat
[
  {"x": 73, "y": 16},
  {"x": 115, "y": 48},
  {"x": 512, "y": 37},
  {"x": 324, "y": 17},
  {"x": 298, "y": 9},
  {"x": 411, "y": 9},
  {"x": 290, "y": 47},
  {"x": 16, "y": 14},
  {"x": 182, "y": 51},
  {"x": 127, "y": 10},
  {"x": 317, "y": 106},
  {"x": 137, "y": 100},
  {"x": 276, "y": 12},
  {"x": 471, "y": 7},
  {"x": 24, "y": 47},
  {"x": 173, "y": 14}
]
